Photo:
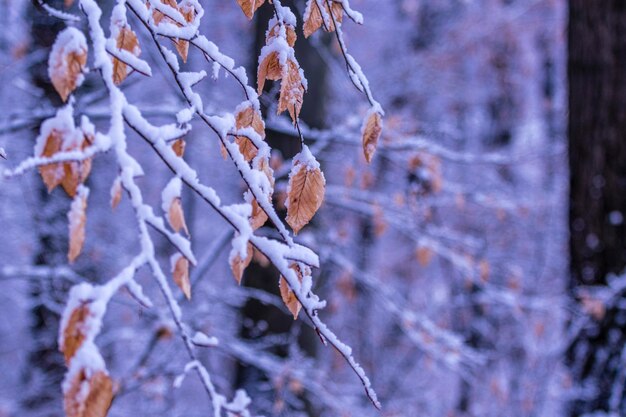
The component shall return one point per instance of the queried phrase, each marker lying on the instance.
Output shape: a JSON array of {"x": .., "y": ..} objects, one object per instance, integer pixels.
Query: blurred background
[{"x": 474, "y": 266}]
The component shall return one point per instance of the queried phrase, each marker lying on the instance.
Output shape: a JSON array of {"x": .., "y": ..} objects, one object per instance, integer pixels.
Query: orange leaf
[
  {"x": 250, "y": 6},
  {"x": 73, "y": 333},
  {"x": 179, "y": 147},
  {"x": 275, "y": 31},
  {"x": 305, "y": 194},
  {"x": 313, "y": 19},
  {"x": 238, "y": 265},
  {"x": 67, "y": 61},
  {"x": 259, "y": 217},
  {"x": 116, "y": 193},
  {"x": 176, "y": 216},
  {"x": 126, "y": 40},
  {"x": 52, "y": 174},
  {"x": 269, "y": 69},
  {"x": 77, "y": 217},
  {"x": 291, "y": 91},
  {"x": 88, "y": 395},
  {"x": 372, "y": 129},
  {"x": 289, "y": 298},
  {"x": 180, "y": 271},
  {"x": 249, "y": 117},
  {"x": 424, "y": 255},
  {"x": 182, "y": 46},
  {"x": 75, "y": 173}
]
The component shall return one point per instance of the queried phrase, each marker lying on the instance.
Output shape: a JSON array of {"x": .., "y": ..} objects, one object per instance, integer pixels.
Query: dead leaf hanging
[
  {"x": 372, "y": 129},
  {"x": 67, "y": 61}
]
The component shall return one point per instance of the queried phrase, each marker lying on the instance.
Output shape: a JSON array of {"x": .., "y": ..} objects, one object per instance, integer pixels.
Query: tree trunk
[
  {"x": 597, "y": 157},
  {"x": 266, "y": 277}
]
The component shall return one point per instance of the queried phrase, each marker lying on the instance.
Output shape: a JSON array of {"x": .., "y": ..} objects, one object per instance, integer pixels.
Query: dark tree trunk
[
  {"x": 266, "y": 277},
  {"x": 597, "y": 157}
]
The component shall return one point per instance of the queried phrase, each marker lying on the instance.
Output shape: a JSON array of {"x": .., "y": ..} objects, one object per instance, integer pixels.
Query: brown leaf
[
  {"x": 73, "y": 333},
  {"x": 424, "y": 254},
  {"x": 88, "y": 395},
  {"x": 126, "y": 40},
  {"x": 313, "y": 19},
  {"x": 158, "y": 16},
  {"x": 223, "y": 151},
  {"x": 116, "y": 193},
  {"x": 305, "y": 195},
  {"x": 259, "y": 217},
  {"x": 264, "y": 167},
  {"x": 182, "y": 46},
  {"x": 179, "y": 147},
  {"x": 249, "y": 117},
  {"x": 52, "y": 174},
  {"x": 289, "y": 298},
  {"x": 180, "y": 272},
  {"x": 75, "y": 173},
  {"x": 250, "y": 6},
  {"x": 68, "y": 3},
  {"x": 291, "y": 91},
  {"x": 372, "y": 129},
  {"x": 269, "y": 69},
  {"x": 176, "y": 216},
  {"x": 77, "y": 218},
  {"x": 65, "y": 67},
  {"x": 238, "y": 265},
  {"x": 275, "y": 31}
]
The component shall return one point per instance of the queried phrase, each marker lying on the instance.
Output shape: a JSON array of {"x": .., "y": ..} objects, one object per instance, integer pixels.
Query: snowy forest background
[{"x": 445, "y": 262}]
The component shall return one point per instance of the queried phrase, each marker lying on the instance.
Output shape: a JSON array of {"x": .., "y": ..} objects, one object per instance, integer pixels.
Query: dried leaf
[
  {"x": 269, "y": 69},
  {"x": 182, "y": 46},
  {"x": 223, "y": 151},
  {"x": 305, "y": 195},
  {"x": 126, "y": 40},
  {"x": 238, "y": 265},
  {"x": 52, "y": 174},
  {"x": 313, "y": 19},
  {"x": 291, "y": 91},
  {"x": 249, "y": 117},
  {"x": 179, "y": 147},
  {"x": 73, "y": 333},
  {"x": 274, "y": 32},
  {"x": 158, "y": 16},
  {"x": 289, "y": 298},
  {"x": 116, "y": 193},
  {"x": 67, "y": 61},
  {"x": 250, "y": 6},
  {"x": 180, "y": 272},
  {"x": 88, "y": 395},
  {"x": 77, "y": 217},
  {"x": 259, "y": 217},
  {"x": 176, "y": 216},
  {"x": 372, "y": 129},
  {"x": 75, "y": 173},
  {"x": 424, "y": 255}
]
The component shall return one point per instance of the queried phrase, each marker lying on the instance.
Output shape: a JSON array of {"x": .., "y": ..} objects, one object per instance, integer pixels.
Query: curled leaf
[
  {"x": 238, "y": 264},
  {"x": 77, "y": 217},
  {"x": 249, "y": 117},
  {"x": 180, "y": 272},
  {"x": 116, "y": 193},
  {"x": 176, "y": 216},
  {"x": 289, "y": 298},
  {"x": 372, "y": 128}
]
